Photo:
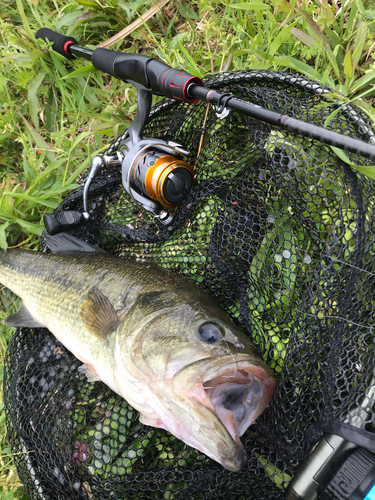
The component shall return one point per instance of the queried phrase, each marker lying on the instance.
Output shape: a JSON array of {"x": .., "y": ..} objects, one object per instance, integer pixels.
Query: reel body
[{"x": 155, "y": 177}]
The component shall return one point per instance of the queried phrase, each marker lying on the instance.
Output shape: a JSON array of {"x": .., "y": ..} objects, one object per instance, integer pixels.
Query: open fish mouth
[
  {"x": 235, "y": 396},
  {"x": 237, "y": 392}
]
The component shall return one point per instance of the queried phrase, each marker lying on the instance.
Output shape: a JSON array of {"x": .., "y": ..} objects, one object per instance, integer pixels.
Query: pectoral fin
[
  {"x": 151, "y": 420},
  {"x": 98, "y": 314},
  {"x": 90, "y": 372},
  {"x": 22, "y": 318}
]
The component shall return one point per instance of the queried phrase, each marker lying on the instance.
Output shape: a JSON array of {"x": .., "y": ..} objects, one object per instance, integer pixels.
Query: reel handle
[{"x": 64, "y": 221}]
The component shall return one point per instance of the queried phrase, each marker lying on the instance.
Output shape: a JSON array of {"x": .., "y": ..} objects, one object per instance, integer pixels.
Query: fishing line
[
  {"x": 350, "y": 265},
  {"x": 319, "y": 316}
]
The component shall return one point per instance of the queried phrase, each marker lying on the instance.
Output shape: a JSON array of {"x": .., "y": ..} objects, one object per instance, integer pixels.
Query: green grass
[{"x": 56, "y": 114}]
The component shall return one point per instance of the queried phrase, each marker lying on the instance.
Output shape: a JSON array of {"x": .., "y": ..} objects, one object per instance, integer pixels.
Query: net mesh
[{"x": 280, "y": 231}]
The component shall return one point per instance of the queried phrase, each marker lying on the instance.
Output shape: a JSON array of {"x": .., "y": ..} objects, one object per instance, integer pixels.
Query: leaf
[
  {"x": 86, "y": 70},
  {"x": 257, "y": 52},
  {"x": 360, "y": 7},
  {"x": 359, "y": 43},
  {"x": 33, "y": 99},
  {"x": 79, "y": 170},
  {"x": 6, "y": 203},
  {"x": 332, "y": 59},
  {"x": 279, "y": 40},
  {"x": 55, "y": 191},
  {"x": 24, "y": 20},
  {"x": 134, "y": 25},
  {"x": 304, "y": 37},
  {"x": 348, "y": 64},
  {"x": 250, "y": 6},
  {"x": 313, "y": 25},
  {"x": 30, "y": 228},
  {"x": 88, "y": 3},
  {"x": 369, "y": 171},
  {"x": 51, "y": 109},
  {"x": 39, "y": 140},
  {"x": 47, "y": 203},
  {"x": 86, "y": 90},
  {"x": 193, "y": 67},
  {"x": 367, "y": 93},
  {"x": 3, "y": 239},
  {"x": 291, "y": 62},
  {"x": 228, "y": 63},
  {"x": 80, "y": 138},
  {"x": 365, "y": 80},
  {"x": 187, "y": 12},
  {"x": 67, "y": 20}
]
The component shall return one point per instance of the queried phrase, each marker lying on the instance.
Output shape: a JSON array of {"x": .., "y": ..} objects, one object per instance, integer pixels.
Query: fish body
[{"x": 151, "y": 336}]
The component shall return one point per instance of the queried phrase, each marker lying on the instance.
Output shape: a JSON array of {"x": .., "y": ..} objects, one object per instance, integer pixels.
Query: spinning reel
[{"x": 153, "y": 171}]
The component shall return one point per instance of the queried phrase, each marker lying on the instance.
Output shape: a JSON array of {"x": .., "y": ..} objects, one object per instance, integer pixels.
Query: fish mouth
[
  {"x": 238, "y": 393},
  {"x": 234, "y": 390},
  {"x": 235, "y": 396}
]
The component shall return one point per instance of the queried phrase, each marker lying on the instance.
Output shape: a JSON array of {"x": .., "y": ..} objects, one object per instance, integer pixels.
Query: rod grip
[
  {"x": 60, "y": 42},
  {"x": 63, "y": 221},
  {"x": 103, "y": 59},
  {"x": 152, "y": 74}
]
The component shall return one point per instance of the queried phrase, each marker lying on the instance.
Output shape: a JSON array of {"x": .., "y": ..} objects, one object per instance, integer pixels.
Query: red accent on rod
[
  {"x": 66, "y": 45},
  {"x": 162, "y": 80},
  {"x": 184, "y": 90}
]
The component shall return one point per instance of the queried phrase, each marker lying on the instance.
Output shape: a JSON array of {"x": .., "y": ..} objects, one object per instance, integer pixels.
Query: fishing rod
[{"x": 153, "y": 172}]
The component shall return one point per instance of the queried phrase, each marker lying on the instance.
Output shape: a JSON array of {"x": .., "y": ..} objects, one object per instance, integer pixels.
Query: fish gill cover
[{"x": 281, "y": 232}]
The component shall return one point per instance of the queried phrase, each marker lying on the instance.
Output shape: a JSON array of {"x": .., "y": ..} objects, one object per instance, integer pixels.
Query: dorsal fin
[
  {"x": 68, "y": 244},
  {"x": 98, "y": 314}
]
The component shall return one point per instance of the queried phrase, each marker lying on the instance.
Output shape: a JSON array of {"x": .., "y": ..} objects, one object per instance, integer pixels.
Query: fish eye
[{"x": 209, "y": 332}]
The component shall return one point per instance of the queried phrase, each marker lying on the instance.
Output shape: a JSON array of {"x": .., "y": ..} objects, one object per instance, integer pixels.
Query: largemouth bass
[{"x": 151, "y": 336}]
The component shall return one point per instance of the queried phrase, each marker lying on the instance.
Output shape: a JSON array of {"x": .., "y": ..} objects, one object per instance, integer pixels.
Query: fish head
[{"x": 208, "y": 378}]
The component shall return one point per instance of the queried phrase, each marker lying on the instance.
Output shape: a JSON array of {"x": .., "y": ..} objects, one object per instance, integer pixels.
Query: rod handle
[
  {"x": 63, "y": 221},
  {"x": 152, "y": 74},
  {"x": 60, "y": 42}
]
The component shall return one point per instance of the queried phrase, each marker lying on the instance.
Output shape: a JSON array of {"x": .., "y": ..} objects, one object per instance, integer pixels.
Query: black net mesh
[{"x": 281, "y": 232}]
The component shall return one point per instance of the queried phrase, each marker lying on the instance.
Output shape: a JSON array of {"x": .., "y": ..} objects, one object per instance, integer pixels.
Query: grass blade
[
  {"x": 86, "y": 70},
  {"x": 33, "y": 100},
  {"x": 39, "y": 140},
  {"x": 34, "y": 199},
  {"x": 365, "y": 80},
  {"x": 250, "y": 6}
]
